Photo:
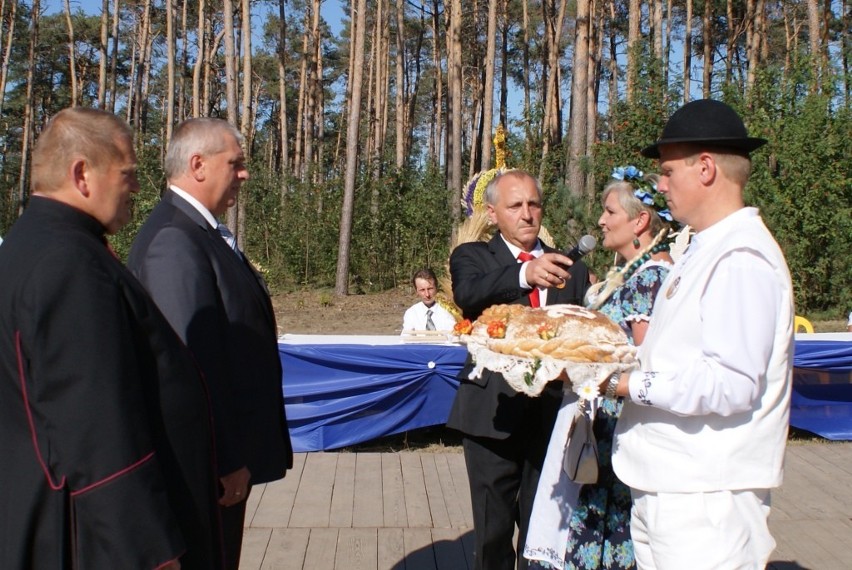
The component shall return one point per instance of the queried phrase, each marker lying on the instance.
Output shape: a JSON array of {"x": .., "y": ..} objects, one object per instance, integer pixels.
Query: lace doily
[{"x": 529, "y": 376}]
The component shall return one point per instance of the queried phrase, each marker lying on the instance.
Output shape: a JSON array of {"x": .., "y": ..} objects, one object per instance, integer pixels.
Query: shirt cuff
[{"x": 640, "y": 385}]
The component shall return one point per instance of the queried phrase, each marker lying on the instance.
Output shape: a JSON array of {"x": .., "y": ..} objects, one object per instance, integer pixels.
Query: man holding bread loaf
[{"x": 506, "y": 432}]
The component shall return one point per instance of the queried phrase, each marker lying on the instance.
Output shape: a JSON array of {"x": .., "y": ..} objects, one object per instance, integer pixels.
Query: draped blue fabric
[
  {"x": 822, "y": 388},
  {"x": 343, "y": 394}
]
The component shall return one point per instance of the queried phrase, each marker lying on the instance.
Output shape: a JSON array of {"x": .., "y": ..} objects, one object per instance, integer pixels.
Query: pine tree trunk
[
  {"x": 113, "y": 60},
  {"x": 488, "y": 92},
  {"x": 282, "y": 98},
  {"x": 7, "y": 51},
  {"x": 455, "y": 65},
  {"x": 27, "y": 134},
  {"x": 579, "y": 100},
  {"x": 400, "y": 102},
  {"x": 707, "y": 32},
  {"x": 633, "y": 37},
  {"x": 199, "y": 62},
  {"x": 687, "y": 52},
  {"x": 102, "y": 55},
  {"x": 356, "y": 54},
  {"x": 72, "y": 57},
  {"x": 170, "y": 70}
]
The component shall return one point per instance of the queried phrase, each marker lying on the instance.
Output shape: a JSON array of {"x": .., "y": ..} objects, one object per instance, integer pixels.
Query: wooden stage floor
[{"x": 411, "y": 511}]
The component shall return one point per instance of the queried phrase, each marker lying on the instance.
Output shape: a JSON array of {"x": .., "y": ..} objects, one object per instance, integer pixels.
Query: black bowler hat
[{"x": 706, "y": 121}]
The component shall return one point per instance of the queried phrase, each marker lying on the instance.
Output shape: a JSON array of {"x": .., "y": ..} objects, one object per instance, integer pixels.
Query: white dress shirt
[{"x": 415, "y": 318}]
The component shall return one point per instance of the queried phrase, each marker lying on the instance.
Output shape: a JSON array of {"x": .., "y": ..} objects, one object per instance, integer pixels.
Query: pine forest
[{"x": 363, "y": 120}]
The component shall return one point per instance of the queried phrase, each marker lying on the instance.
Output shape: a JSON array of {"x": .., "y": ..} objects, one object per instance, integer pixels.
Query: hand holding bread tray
[{"x": 533, "y": 346}]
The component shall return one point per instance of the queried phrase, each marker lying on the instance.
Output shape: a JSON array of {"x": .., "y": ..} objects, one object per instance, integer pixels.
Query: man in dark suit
[
  {"x": 104, "y": 419},
  {"x": 505, "y": 432},
  {"x": 220, "y": 307}
]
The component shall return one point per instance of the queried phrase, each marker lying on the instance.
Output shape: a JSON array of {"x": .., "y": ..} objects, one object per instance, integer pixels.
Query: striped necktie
[
  {"x": 229, "y": 238},
  {"x": 430, "y": 326}
]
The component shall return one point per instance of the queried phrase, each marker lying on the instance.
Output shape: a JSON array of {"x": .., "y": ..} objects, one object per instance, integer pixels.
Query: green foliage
[{"x": 802, "y": 182}]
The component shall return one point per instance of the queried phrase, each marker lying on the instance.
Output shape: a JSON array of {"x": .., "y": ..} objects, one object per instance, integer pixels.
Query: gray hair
[
  {"x": 202, "y": 136},
  {"x": 490, "y": 195}
]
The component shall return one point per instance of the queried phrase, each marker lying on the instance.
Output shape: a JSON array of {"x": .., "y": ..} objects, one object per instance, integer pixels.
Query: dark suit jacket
[
  {"x": 486, "y": 274},
  {"x": 220, "y": 307}
]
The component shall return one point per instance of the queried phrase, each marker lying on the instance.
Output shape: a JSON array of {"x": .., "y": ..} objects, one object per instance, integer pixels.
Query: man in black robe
[{"x": 104, "y": 421}]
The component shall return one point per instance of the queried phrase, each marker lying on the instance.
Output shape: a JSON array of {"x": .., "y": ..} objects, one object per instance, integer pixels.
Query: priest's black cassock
[{"x": 105, "y": 430}]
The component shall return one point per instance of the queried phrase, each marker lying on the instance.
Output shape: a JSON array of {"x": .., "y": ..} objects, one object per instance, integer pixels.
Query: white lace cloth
[
  {"x": 530, "y": 376},
  {"x": 556, "y": 495}
]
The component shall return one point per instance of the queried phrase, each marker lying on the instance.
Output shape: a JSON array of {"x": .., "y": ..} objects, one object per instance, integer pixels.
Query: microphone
[{"x": 586, "y": 244}]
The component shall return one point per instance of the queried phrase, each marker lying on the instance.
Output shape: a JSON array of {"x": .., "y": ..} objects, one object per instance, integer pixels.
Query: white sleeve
[{"x": 738, "y": 311}]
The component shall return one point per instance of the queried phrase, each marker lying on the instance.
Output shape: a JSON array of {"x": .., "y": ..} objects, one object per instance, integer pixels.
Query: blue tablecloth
[
  {"x": 340, "y": 391},
  {"x": 822, "y": 385},
  {"x": 342, "y": 394}
]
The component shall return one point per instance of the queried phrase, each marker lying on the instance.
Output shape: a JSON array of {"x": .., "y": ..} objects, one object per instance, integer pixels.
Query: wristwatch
[{"x": 612, "y": 386}]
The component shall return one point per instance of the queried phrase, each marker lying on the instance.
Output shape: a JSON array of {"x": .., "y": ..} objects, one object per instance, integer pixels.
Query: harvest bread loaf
[
  {"x": 532, "y": 346},
  {"x": 562, "y": 332}
]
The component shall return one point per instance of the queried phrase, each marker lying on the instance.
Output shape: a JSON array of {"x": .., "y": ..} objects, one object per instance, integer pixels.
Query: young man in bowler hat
[{"x": 701, "y": 439}]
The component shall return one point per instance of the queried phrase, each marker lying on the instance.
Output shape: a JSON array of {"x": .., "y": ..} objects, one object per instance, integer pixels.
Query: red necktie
[{"x": 522, "y": 257}]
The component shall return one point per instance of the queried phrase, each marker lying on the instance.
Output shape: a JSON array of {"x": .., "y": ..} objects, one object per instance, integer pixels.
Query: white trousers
[{"x": 720, "y": 530}]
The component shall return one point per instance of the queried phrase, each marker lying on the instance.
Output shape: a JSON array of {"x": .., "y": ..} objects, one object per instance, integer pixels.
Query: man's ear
[
  {"x": 80, "y": 171},
  {"x": 492, "y": 217},
  {"x": 708, "y": 168},
  {"x": 197, "y": 166}
]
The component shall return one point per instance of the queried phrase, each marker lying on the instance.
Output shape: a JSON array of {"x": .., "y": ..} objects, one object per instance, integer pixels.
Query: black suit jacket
[
  {"x": 220, "y": 307},
  {"x": 486, "y": 274}
]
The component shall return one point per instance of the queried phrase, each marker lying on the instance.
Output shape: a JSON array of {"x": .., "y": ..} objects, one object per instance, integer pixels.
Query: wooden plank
[
  {"x": 357, "y": 549},
  {"x": 322, "y": 549},
  {"x": 255, "y": 541},
  {"x": 390, "y": 549},
  {"x": 393, "y": 495},
  {"x": 458, "y": 469},
  {"x": 313, "y": 499},
  {"x": 276, "y": 504},
  {"x": 809, "y": 479},
  {"x": 252, "y": 502},
  {"x": 343, "y": 494},
  {"x": 419, "y": 554},
  {"x": 287, "y": 549},
  {"x": 416, "y": 500},
  {"x": 448, "y": 491},
  {"x": 449, "y": 548},
  {"x": 368, "y": 496},
  {"x": 437, "y": 504}
]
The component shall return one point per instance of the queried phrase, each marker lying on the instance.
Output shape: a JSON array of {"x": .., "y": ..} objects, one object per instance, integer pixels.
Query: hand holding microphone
[
  {"x": 586, "y": 244},
  {"x": 551, "y": 269}
]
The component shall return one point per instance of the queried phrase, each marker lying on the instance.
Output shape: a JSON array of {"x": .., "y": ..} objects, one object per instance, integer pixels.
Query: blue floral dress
[{"x": 600, "y": 523}]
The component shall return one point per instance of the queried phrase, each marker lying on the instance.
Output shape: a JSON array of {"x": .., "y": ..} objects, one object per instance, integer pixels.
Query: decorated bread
[
  {"x": 562, "y": 332},
  {"x": 531, "y": 347}
]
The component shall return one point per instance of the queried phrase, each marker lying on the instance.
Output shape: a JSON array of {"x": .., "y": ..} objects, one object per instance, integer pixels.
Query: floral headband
[{"x": 645, "y": 191}]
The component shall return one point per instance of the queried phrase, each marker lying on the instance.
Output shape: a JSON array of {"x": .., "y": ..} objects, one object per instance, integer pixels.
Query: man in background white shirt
[
  {"x": 428, "y": 314},
  {"x": 701, "y": 439}
]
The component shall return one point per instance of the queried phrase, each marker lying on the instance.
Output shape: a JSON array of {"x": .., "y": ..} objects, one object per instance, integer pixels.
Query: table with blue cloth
[
  {"x": 344, "y": 390},
  {"x": 822, "y": 385}
]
